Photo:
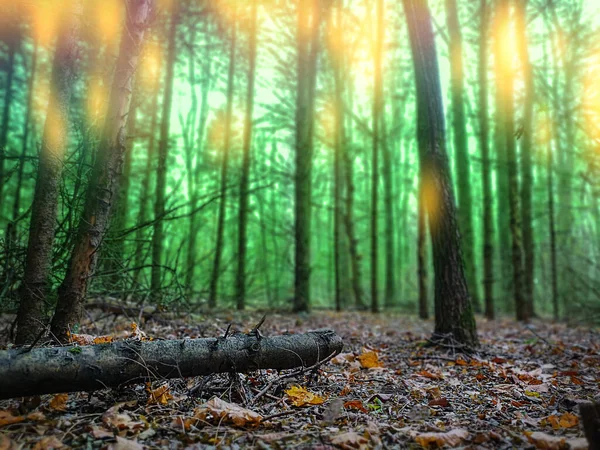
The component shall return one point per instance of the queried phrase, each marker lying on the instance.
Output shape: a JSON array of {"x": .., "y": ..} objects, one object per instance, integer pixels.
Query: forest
[{"x": 404, "y": 195}]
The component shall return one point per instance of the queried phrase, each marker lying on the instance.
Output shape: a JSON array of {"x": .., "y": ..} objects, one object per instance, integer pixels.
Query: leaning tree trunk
[
  {"x": 216, "y": 270},
  {"x": 161, "y": 171},
  {"x": 461, "y": 149},
  {"x": 453, "y": 312},
  {"x": 245, "y": 176},
  {"x": 31, "y": 319},
  {"x": 88, "y": 368},
  {"x": 486, "y": 171},
  {"x": 105, "y": 175}
]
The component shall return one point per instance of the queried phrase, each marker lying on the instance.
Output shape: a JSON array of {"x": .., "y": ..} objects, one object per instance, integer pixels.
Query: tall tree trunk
[
  {"x": 453, "y": 312},
  {"x": 8, "y": 94},
  {"x": 506, "y": 92},
  {"x": 486, "y": 170},
  {"x": 11, "y": 229},
  {"x": 461, "y": 149},
  {"x": 245, "y": 175},
  {"x": 526, "y": 161},
  {"x": 388, "y": 201},
  {"x": 163, "y": 151},
  {"x": 31, "y": 317},
  {"x": 216, "y": 271},
  {"x": 307, "y": 41},
  {"x": 377, "y": 135},
  {"x": 422, "y": 250},
  {"x": 105, "y": 175}
]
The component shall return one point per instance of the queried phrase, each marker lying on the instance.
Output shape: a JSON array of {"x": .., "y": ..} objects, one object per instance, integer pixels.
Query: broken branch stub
[{"x": 93, "y": 367}]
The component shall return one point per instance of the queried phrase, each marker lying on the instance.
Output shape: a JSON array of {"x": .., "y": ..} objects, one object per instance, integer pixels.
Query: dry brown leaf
[
  {"x": 112, "y": 418},
  {"x": 59, "y": 402},
  {"x": 546, "y": 441},
  {"x": 355, "y": 404},
  {"x": 228, "y": 412},
  {"x": 301, "y": 397},
  {"x": 427, "y": 374},
  {"x": 7, "y": 418},
  {"x": 350, "y": 440},
  {"x": 451, "y": 438},
  {"x": 369, "y": 360},
  {"x": 125, "y": 444},
  {"x": 7, "y": 444},
  {"x": 48, "y": 443}
]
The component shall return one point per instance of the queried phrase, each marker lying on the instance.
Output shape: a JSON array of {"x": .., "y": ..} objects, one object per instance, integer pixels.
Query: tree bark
[
  {"x": 422, "y": 251},
  {"x": 31, "y": 319},
  {"x": 526, "y": 159},
  {"x": 107, "y": 169},
  {"x": 163, "y": 151},
  {"x": 95, "y": 367},
  {"x": 486, "y": 170},
  {"x": 245, "y": 175},
  {"x": 307, "y": 42},
  {"x": 590, "y": 419},
  {"x": 453, "y": 312},
  {"x": 216, "y": 270},
  {"x": 461, "y": 149}
]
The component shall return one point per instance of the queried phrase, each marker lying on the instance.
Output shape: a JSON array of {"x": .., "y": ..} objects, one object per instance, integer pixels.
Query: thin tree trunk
[
  {"x": 31, "y": 317},
  {"x": 526, "y": 160},
  {"x": 461, "y": 149},
  {"x": 422, "y": 251},
  {"x": 8, "y": 94},
  {"x": 216, "y": 271},
  {"x": 486, "y": 171},
  {"x": 163, "y": 151},
  {"x": 453, "y": 311},
  {"x": 308, "y": 40},
  {"x": 105, "y": 176},
  {"x": 245, "y": 175}
]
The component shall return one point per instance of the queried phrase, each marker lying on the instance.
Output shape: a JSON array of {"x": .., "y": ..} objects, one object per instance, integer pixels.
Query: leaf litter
[{"x": 387, "y": 389}]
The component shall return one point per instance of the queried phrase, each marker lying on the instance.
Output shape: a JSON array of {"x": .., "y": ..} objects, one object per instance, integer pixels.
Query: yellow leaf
[
  {"x": 369, "y": 360},
  {"x": 103, "y": 339},
  {"x": 59, "y": 402},
  {"x": 301, "y": 397},
  {"x": 568, "y": 420},
  {"x": 159, "y": 396},
  {"x": 532, "y": 394}
]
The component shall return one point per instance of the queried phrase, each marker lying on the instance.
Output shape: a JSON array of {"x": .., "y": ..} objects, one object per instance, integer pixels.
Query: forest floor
[{"x": 387, "y": 389}]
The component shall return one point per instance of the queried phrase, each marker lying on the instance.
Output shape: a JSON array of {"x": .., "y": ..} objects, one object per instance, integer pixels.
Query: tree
[
  {"x": 309, "y": 18},
  {"x": 453, "y": 312},
  {"x": 103, "y": 185},
  {"x": 163, "y": 151},
  {"x": 247, "y": 143},
  {"x": 31, "y": 320},
  {"x": 486, "y": 170},
  {"x": 461, "y": 148}
]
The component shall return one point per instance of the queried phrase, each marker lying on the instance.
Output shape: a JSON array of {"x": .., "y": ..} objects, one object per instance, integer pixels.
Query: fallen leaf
[
  {"x": 7, "y": 444},
  {"x": 6, "y": 418},
  {"x": 125, "y": 444},
  {"x": 112, "y": 418},
  {"x": 443, "y": 402},
  {"x": 546, "y": 441},
  {"x": 350, "y": 440},
  {"x": 369, "y": 360},
  {"x": 301, "y": 397},
  {"x": 59, "y": 402},
  {"x": 451, "y": 438},
  {"x": 228, "y": 412},
  {"x": 158, "y": 396},
  {"x": 48, "y": 443},
  {"x": 568, "y": 420},
  {"x": 427, "y": 374},
  {"x": 355, "y": 404}
]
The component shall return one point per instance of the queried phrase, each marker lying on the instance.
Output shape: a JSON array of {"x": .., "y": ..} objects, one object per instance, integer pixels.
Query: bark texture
[
  {"x": 31, "y": 318},
  {"x": 102, "y": 190},
  {"x": 453, "y": 312},
  {"x": 94, "y": 367}
]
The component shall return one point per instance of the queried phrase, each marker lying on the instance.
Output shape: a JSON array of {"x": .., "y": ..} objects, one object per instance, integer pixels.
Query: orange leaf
[
  {"x": 443, "y": 402},
  {"x": 6, "y": 418},
  {"x": 498, "y": 360},
  {"x": 355, "y": 404},
  {"x": 301, "y": 397},
  {"x": 369, "y": 360},
  {"x": 427, "y": 374},
  {"x": 59, "y": 402},
  {"x": 568, "y": 420},
  {"x": 159, "y": 396}
]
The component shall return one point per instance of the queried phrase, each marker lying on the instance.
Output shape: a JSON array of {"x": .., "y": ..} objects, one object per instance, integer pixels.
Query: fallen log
[{"x": 49, "y": 370}]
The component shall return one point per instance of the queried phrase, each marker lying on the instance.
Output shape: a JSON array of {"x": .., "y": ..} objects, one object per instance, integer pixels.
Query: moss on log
[{"x": 38, "y": 371}]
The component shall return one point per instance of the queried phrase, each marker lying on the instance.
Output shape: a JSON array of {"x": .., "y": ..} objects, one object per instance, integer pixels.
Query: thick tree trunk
[
  {"x": 590, "y": 419},
  {"x": 461, "y": 149},
  {"x": 245, "y": 175},
  {"x": 308, "y": 42},
  {"x": 526, "y": 159},
  {"x": 486, "y": 170},
  {"x": 105, "y": 175},
  {"x": 422, "y": 259},
  {"x": 376, "y": 144},
  {"x": 95, "y": 367},
  {"x": 216, "y": 270},
  {"x": 31, "y": 319},
  {"x": 163, "y": 151},
  {"x": 453, "y": 312}
]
